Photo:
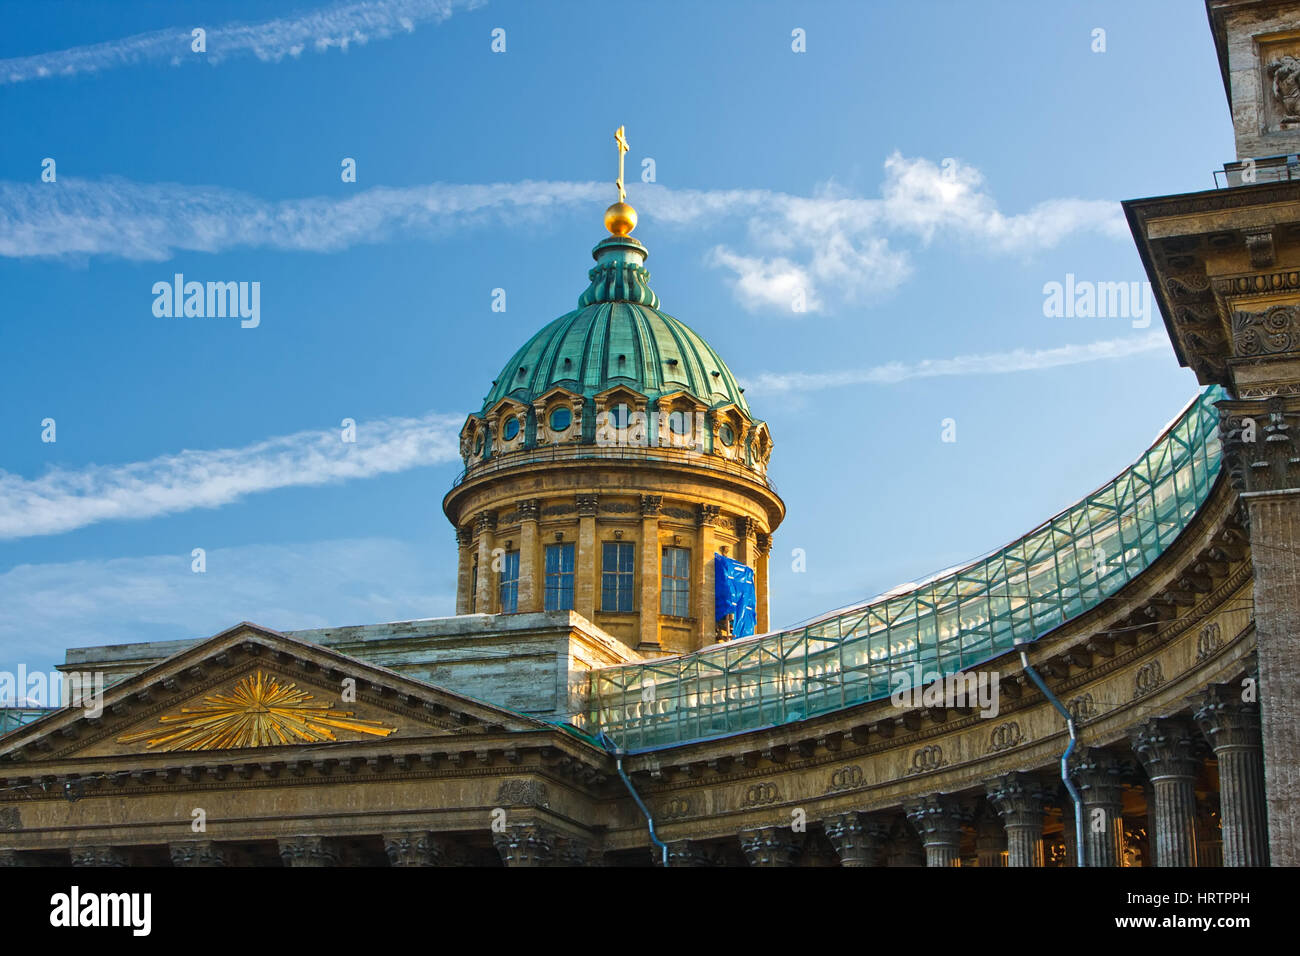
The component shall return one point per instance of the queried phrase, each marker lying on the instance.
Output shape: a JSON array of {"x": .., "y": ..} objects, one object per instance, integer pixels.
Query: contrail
[
  {"x": 339, "y": 25},
  {"x": 63, "y": 499},
  {"x": 987, "y": 363}
]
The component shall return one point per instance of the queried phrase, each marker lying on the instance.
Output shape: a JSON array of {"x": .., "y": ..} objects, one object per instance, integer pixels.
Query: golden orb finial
[{"x": 620, "y": 218}]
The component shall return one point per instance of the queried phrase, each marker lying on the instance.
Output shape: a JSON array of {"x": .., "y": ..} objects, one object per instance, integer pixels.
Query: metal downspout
[
  {"x": 1065, "y": 757},
  {"x": 609, "y": 745}
]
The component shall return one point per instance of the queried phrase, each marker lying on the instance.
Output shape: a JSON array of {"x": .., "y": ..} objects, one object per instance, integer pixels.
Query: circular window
[
  {"x": 619, "y": 416},
  {"x": 728, "y": 435},
  {"x": 511, "y": 431},
  {"x": 561, "y": 419},
  {"x": 680, "y": 423},
  {"x": 478, "y": 444}
]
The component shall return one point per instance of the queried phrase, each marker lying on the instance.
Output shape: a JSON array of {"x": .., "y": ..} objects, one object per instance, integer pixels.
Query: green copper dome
[{"x": 618, "y": 336}]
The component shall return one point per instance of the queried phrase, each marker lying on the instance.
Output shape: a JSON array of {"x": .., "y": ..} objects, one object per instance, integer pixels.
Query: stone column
[
  {"x": 656, "y": 424},
  {"x": 485, "y": 523},
  {"x": 938, "y": 820},
  {"x": 1167, "y": 748},
  {"x": 650, "y": 574},
  {"x": 525, "y": 845},
  {"x": 578, "y": 429},
  {"x": 464, "y": 568},
  {"x": 745, "y": 530},
  {"x": 770, "y": 846},
  {"x": 12, "y": 858},
  {"x": 99, "y": 856},
  {"x": 858, "y": 839},
  {"x": 702, "y": 574},
  {"x": 532, "y": 588},
  {"x": 541, "y": 428},
  {"x": 1232, "y": 728},
  {"x": 1149, "y": 798},
  {"x": 762, "y": 547},
  {"x": 417, "y": 848},
  {"x": 1098, "y": 776},
  {"x": 198, "y": 853},
  {"x": 990, "y": 841},
  {"x": 1069, "y": 835},
  {"x": 1209, "y": 832},
  {"x": 1262, "y": 462},
  {"x": 586, "y": 567},
  {"x": 1020, "y": 800},
  {"x": 308, "y": 851},
  {"x": 1274, "y": 533}
]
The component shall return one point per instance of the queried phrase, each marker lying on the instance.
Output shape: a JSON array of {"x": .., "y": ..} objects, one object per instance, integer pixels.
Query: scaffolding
[{"x": 954, "y": 621}]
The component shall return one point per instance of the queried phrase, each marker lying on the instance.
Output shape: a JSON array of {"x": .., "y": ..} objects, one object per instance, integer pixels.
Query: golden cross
[{"x": 622, "y": 148}]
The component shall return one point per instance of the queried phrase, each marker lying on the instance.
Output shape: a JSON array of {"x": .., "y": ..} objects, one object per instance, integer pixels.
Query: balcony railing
[
  {"x": 1250, "y": 172},
  {"x": 549, "y": 454}
]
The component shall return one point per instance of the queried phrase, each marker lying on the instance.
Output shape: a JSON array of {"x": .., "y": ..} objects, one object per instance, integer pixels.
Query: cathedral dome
[
  {"x": 616, "y": 378},
  {"x": 612, "y": 466},
  {"x": 618, "y": 336}
]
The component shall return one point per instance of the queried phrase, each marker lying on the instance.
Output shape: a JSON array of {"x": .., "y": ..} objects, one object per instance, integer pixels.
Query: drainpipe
[
  {"x": 627, "y": 782},
  {"x": 1065, "y": 757}
]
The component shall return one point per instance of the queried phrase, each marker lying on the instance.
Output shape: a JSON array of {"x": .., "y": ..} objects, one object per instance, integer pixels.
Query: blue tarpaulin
[{"x": 733, "y": 587}]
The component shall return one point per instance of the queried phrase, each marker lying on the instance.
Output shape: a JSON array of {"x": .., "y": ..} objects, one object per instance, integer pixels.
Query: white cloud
[
  {"x": 834, "y": 247},
  {"x": 335, "y": 26},
  {"x": 925, "y": 198},
  {"x": 63, "y": 499},
  {"x": 988, "y": 363},
  {"x": 768, "y": 283},
  {"x": 845, "y": 246},
  {"x": 51, "y": 607}
]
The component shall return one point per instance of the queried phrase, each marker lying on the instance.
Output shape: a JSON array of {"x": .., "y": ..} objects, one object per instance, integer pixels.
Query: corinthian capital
[
  {"x": 1226, "y": 720},
  {"x": 1259, "y": 446},
  {"x": 1167, "y": 747}
]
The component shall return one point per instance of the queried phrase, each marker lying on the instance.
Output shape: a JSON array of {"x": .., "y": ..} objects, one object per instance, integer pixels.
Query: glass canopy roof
[{"x": 956, "y": 620}]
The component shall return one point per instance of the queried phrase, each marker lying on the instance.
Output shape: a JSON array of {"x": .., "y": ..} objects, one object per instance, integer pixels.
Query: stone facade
[
  {"x": 351, "y": 749},
  {"x": 1258, "y": 45},
  {"x": 459, "y": 782}
]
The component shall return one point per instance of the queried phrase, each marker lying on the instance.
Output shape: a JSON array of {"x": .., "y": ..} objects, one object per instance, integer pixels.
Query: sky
[{"x": 861, "y": 206}]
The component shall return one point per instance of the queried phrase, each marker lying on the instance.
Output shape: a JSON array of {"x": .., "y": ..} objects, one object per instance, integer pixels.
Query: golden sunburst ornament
[{"x": 261, "y": 712}]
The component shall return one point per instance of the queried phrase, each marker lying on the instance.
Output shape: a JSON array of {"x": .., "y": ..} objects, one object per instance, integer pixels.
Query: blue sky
[{"x": 921, "y": 172}]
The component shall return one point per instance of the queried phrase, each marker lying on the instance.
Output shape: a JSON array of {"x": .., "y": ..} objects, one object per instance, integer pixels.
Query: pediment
[
  {"x": 249, "y": 691},
  {"x": 557, "y": 393},
  {"x": 506, "y": 406},
  {"x": 619, "y": 393},
  {"x": 729, "y": 410},
  {"x": 681, "y": 397},
  {"x": 468, "y": 432}
]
